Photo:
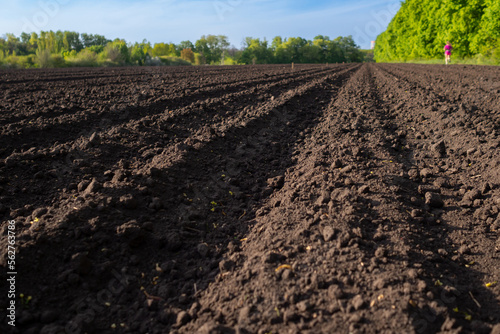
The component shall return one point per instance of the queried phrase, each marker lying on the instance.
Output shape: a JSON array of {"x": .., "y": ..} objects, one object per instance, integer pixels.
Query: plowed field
[{"x": 350, "y": 198}]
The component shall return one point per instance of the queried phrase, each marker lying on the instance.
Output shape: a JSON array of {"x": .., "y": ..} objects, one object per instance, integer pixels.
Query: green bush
[
  {"x": 496, "y": 52},
  {"x": 85, "y": 58},
  {"x": 96, "y": 48},
  {"x": 115, "y": 54},
  {"x": 199, "y": 59},
  {"x": 230, "y": 61},
  {"x": 367, "y": 56},
  {"x": 137, "y": 56},
  {"x": 44, "y": 59},
  {"x": 174, "y": 61},
  {"x": 18, "y": 61},
  {"x": 58, "y": 61}
]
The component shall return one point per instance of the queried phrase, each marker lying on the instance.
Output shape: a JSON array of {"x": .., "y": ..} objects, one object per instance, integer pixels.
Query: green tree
[
  {"x": 117, "y": 52},
  {"x": 256, "y": 52},
  {"x": 277, "y": 41},
  {"x": 91, "y": 40},
  {"x": 71, "y": 41},
  {"x": 13, "y": 45},
  {"x": 137, "y": 55},
  {"x": 487, "y": 38},
  {"x": 421, "y": 28},
  {"x": 25, "y": 38},
  {"x": 188, "y": 54},
  {"x": 185, "y": 45},
  {"x": 97, "y": 49},
  {"x": 212, "y": 47},
  {"x": 350, "y": 51},
  {"x": 163, "y": 49},
  {"x": 33, "y": 42}
]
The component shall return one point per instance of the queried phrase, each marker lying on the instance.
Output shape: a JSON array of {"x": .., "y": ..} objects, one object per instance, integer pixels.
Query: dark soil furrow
[
  {"x": 441, "y": 174},
  {"x": 126, "y": 112},
  {"x": 158, "y": 76}
]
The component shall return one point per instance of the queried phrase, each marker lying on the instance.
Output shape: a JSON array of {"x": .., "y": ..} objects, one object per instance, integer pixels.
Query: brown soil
[{"x": 329, "y": 199}]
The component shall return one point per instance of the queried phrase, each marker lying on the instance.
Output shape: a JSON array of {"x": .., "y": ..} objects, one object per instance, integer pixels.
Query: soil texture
[{"x": 348, "y": 198}]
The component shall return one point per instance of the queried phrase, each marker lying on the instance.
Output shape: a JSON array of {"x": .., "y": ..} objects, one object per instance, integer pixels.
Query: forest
[
  {"x": 421, "y": 28},
  {"x": 49, "y": 49}
]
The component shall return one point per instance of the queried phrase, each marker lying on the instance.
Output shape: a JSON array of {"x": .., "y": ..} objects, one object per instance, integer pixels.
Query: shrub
[
  {"x": 199, "y": 59},
  {"x": 44, "y": 59},
  {"x": 85, "y": 58},
  {"x": 174, "y": 61},
  {"x": 188, "y": 55},
  {"x": 96, "y": 48},
  {"x": 138, "y": 56},
  {"x": 496, "y": 53},
  {"x": 58, "y": 61},
  {"x": 230, "y": 61},
  {"x": 18, "y": 61},
  {"x": 115, "y": 53}
]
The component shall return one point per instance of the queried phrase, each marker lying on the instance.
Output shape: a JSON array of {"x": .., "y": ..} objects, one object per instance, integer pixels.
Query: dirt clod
[{"x": 434, "y": 200}]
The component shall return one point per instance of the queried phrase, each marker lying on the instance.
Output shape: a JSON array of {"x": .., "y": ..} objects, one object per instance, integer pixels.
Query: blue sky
[{"x": 176, "y": 21}]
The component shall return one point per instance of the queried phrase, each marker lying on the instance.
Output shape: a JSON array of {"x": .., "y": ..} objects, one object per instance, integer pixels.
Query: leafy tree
[
  {"x": 96, "y": 48},
  {"x": 188, "y": 54},
  {"x": 199, "y": 59},
  {"x": 256, "y": 52},
  {"x": 350, "y": 50},
  {"x": 91, "y": 40},
  {"x": 277, "y": 41},
  {"x": 212, "y": 47},
  {"x": 310, "y": 54},
  {"x": 137, "y": 54},
  {"x": 33, "y": 42},
  {"x": 488, "y": 36},
  {"x": 71, "y": 41},
  {"x": 44, "y": 59},
  {"x": 323, "y": 43},
  {"x": 421, "y": 28},
  {"x": 25, "y": 38},
  {"x": 293, "y": 45},
  {"x": 117, "y": 52},
  {"x": 185, "y": 45},
  {"x": 163, "y": 49},
  {"x": 13, "y": 45}
]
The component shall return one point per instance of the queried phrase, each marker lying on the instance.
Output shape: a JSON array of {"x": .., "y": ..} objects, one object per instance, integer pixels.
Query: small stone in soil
[
  {"x": 464, "y": 249},
  {"x": 93, "y": 187},
  {"x": 358, "y": 302},
  {"x": 439, "y": 149},
  {"x": 434, "y": 200},
  {"x": 328, "y": 233},
  {"x": 364, "y": 189},
  {"x": 303, "y": 306},
  {"x": 182, "y": 318}
]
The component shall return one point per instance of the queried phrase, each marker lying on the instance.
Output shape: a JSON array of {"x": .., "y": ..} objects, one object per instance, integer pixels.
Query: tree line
[
  {"x": 421, "y": 28},
  {"x": 68, "y": 48}
]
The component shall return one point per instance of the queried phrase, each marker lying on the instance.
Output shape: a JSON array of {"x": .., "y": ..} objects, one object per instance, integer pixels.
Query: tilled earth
[{"x": 324, "y": 199}]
